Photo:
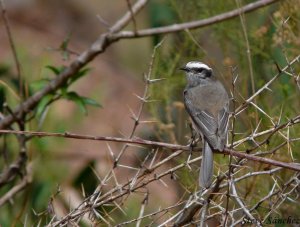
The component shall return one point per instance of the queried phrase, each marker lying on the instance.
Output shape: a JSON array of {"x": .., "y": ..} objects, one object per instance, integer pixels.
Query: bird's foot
[{"x": 192, "y": 144}]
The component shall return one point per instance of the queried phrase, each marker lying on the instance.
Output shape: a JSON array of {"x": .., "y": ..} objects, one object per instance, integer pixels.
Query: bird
[{"x": 207, "y": 103}]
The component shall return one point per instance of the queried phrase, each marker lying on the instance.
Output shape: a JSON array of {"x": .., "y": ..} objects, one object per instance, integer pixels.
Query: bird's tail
[{"x": 207, "y": 166}]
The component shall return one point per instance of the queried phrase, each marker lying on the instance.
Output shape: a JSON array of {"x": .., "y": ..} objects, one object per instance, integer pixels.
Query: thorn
[
  {"x": 111, "y": 152},
  {"x": 146, "y": 78},
  {"x": 155, "y": 80},
  {"x": 134, "y": 118},
  {"x": 286, "y": 20},
  {"x": 132, "y": 113},
  {"x": 140, "y": 98},
  {"x": 235, "y": 79},
  {"x": 103, "y": 21},
  {"x": 269, "y": 89},
  {"x": 148, "y": 122},
  {"x": 255, "y": 130},
  {"x": 278, "y": 68}
]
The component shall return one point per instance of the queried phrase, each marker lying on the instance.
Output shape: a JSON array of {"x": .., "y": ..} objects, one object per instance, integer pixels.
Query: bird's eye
[{"x": 199, "y": 70}]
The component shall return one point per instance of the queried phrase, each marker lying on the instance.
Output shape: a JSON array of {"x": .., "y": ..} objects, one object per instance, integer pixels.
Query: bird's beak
[{"x": 183, "y": 68}]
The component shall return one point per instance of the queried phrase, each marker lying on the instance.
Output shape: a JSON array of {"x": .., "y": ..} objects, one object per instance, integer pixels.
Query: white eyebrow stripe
[{"x": 194, "y": 64}]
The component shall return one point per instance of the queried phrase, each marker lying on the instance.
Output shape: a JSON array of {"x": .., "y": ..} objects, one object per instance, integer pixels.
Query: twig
[
  {"x": 132, "y": 15},
  {"x": 194, "y": 24},
  {"x": 151, "y": 214},
  {"x": 241, "y": 204},
  {"x": 13, "y": 169},
  {"x": 226, "y": 151},
  {"x": 248, "y": 50},
  {"x": 273, "y": 192},
  {"x": 13, "y": 47},
  {"x": 142, "y": 210},
  {"x": 120, "y": 24},
  {"x": 109, "y": 196},
  {"x": 270, "y": 132},
  {"x": 136, "y": 117},
  {"x": 17, "y": 188},
  {"x": 248, "y": 53},
  {"x": 230, "y": 169},
  {"x": 251, "y": 174},
  {"x": 265, "y": 86},
  {"x": 293, "y": 166}
]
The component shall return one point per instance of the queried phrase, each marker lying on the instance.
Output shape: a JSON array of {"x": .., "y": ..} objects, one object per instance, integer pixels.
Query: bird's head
[{"x": 197, "y": 70}]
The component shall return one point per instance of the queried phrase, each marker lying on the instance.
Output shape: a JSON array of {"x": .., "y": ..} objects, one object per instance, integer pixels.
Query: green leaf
[
  {"x": 66, "y": 55},
  {"x": 56, "y": 70},
  {"x": 4, "y": 69},
  {"x": 64, "y": 90},
  {"x": 65, "y": 43},
  {"x": 39, "y": 84},
  {"x": 73, "y": 96},
  {"x": 91, "y": 102},
  {"x": 45, "y": 101},
  {"x": 78, "y": 75},
  {"x": 81, "y": 101}
]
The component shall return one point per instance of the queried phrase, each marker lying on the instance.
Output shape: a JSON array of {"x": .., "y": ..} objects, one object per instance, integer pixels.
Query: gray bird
[{"x": 207, "y": 103}]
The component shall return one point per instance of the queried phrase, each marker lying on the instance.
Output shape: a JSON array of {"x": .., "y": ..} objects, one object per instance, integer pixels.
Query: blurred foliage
[
  {"x": 38, "y": 195},
  {"x": 63, "y": 93},
  {"x": 161, "y": 13}
]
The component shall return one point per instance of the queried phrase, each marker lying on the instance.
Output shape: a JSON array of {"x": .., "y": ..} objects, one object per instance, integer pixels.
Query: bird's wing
[
  {"x": 203, "y": 120},
  {"x": 223, "y": 117},
  {"x": 213, "y": 129}
]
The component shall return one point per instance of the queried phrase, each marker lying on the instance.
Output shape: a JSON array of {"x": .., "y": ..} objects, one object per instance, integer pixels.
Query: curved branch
[{"x": 194, "y": 24}]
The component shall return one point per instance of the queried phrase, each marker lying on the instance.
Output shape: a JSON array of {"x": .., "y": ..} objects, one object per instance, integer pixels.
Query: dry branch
[{"x": 292, "y": 166}]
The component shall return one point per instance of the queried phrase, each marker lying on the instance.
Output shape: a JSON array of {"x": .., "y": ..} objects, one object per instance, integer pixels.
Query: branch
[
  {"x": 17, "y": 188},
  {"x": 242, "y": 205},
  {"x": 120, "y": 24},
  {"x": 226, "y": 151},
  {"x": 194, "y": 24},
  {"x": 12, "y": 46},
  {"x": 13, "y": 170}
]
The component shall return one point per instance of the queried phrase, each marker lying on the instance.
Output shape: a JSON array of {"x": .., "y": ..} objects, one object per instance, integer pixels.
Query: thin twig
[
  {"x": 132, "y": 15},
  {"x": 241, "y": 204},
  {"x": 194, "y": 24},
  {"x": 230, "y": 169},
  {"x": 226, "y": 151},
  {"x": 13, "y": 47},
  {"x": 266, "y": 85},
  {"x": 248, "y": 53},
  {"x": 121, "y": 23},
  {"x": 17, "y": 188}
]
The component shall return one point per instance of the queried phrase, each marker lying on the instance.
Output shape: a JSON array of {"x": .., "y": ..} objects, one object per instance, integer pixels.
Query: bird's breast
[{"x": 209, "y": 98}]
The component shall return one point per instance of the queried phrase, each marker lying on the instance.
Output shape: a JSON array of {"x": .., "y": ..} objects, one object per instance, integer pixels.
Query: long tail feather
[{"x": 207, "y": 166}]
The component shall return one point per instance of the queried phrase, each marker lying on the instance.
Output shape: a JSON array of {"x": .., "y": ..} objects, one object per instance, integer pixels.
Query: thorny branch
[{"x": 227, "y": 151}]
